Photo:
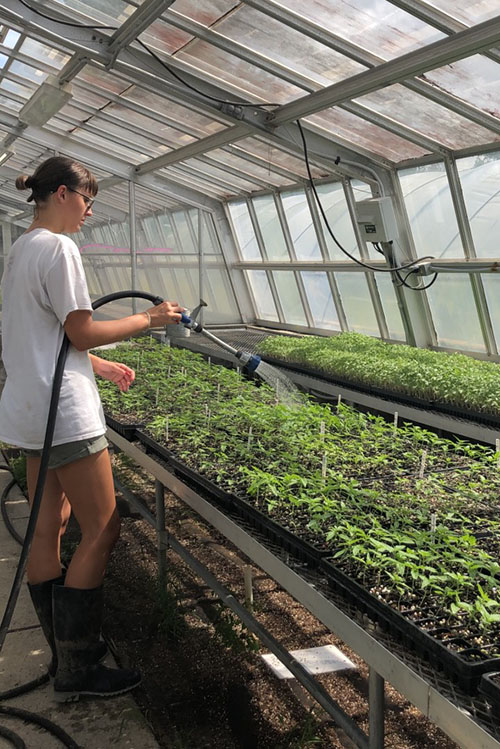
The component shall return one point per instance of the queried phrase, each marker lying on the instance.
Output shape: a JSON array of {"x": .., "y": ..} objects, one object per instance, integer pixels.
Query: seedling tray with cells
[{"x": 409, "y": 517}]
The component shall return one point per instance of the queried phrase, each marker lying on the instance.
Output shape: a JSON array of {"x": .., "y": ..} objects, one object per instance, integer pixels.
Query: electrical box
[{"x": 376, "y": 219}]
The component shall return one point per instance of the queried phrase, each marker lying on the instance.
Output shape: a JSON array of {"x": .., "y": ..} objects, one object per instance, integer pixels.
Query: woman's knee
[{"x": 104, "y": 533}]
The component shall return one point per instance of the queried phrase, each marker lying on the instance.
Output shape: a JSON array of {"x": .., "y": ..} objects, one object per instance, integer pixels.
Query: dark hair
[{"x": 56, "y": 171}]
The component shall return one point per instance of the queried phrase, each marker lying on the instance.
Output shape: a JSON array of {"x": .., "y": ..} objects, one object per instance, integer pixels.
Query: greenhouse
[{"x": 251, "y": 345}]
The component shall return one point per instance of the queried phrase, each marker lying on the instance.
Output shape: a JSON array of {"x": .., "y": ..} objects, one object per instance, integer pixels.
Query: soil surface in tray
[{"x": 204, "y": 686}]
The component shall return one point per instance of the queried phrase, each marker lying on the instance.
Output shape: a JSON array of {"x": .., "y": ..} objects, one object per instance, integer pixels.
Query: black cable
[
  {"x": 403, "y": 281},
  {"x": 325, "y": 219},
  {"x": 5, "y": 514},
  {"x": 153, "y": 54},
  {"x": 65, "y": 23},
  {"x": 24, "y": 688},
  {"x": 193, "y": 88},
  {"x": 39, "y": 720}
]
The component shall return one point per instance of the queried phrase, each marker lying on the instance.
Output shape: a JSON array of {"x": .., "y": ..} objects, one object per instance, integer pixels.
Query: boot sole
[{"x": 75, "y": 696}]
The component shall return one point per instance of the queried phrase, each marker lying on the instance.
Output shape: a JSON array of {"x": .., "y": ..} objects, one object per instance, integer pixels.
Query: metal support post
[
  {"x": 160, "y": 532},
  {"x": 133, "y": 245},
  {"x": 201, "y": 262},
  {"x": 376, "y": 702}
]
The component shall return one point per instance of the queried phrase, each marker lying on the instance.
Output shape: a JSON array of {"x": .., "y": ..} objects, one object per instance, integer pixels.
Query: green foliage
[
  {"x": 18, "y": 468},
  {"x": 232, "y": 632},
  {"x": 349, "y": 482},
  {"x": 455, "y": 379}
]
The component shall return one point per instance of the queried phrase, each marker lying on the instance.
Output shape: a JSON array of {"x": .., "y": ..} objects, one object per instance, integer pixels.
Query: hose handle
[{"x": 185, "y": 319}]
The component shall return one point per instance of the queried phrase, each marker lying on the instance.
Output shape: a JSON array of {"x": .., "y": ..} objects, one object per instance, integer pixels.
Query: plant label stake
[
  {"x": 166, "y": 428},
  {"x": 218, "y": 391},
  {"x": 247, "y": 576},
  {"x": 396, "y": 417},
  {"x": 422, "y": 464},
  {"x": 168, "y": 370},
  {"x": 322, "y": 429},
  {"x": 339, "y": 400},
  {"x": 238, "y": 370},
  {"x": 497, "y": 443},
  {"x": 433, "y": 522},
  {"x": 249, "y": 441},
  {"x": 323, "y": 467},
  {"x": 209, "y": 360}
]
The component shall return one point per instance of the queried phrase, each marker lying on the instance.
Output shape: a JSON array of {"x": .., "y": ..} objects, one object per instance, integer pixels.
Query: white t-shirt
[{"x": 43, "y": 282}]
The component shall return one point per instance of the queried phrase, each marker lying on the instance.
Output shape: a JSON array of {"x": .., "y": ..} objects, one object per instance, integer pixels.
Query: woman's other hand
[{"x": 115, "y": 372}]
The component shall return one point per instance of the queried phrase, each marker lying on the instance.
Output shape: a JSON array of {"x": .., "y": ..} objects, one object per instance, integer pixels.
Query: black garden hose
[
  {"x": 15, "y": 535},
  {"x": 26, "y": 543}
]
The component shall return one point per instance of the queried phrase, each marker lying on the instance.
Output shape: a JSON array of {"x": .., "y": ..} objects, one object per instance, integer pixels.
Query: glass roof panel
[
  {"x": 109, "y": 146},
  {"x": 112, "y": 12},
  {"x": 276, "y": 41},
  {"x": 467, "y": 11},
  {"x": 204, "y": 11},
  {"x": 16, "y": 88},
  {"x": 27, "y": 71},
  {"x": 371, "y": 137},
  {"x": 244, "y": 79},
  {"x": 44, "y": 54},
  {"x": 102, "y": 79},
  {"x": 282, "y": 159},
  {"x": 88, "y": 97},
  {"x": 476, "y": 80},
  {"x": 427, "y": 117},
  {"x": 237, "y": 183},
  {"x": 176, "y": 174},
  {"x": 10, "y": 104},
  {"x": 253, "y": 170},
  {"x": 176, "y": 112},
  {"x": 375, "y": 25},
  {"x": 11, "y": 39},
  {"x": 3, "y": 60},
  {"x": 164, "y": 132}
]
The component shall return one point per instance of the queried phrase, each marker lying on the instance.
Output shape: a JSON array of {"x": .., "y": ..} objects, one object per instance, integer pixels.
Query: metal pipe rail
[{"x": 455, "y": 720}]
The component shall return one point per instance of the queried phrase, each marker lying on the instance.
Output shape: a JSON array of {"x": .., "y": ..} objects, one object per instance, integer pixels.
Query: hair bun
[{"x": 24, "y": 182}]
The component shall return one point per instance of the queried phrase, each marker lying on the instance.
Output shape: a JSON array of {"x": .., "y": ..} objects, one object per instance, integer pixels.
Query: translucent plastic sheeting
[
  {"x": 357, "y": 303},
  {"x": 390, "y": 306},
  {"x": 11, "y": 39},
  {"x": 270, "y": 228},
  {"x": 375, "y": 25},
  {"x": 430, "y": 211},
  {"x": 359, "y": 134},
  {"x": 264, "y": 302},
  {"x": 491, "y": 283},
  {"x": 243, "y": 230},
  {"x": 454, "y": 313},
  {"x": 26, "y": 92},
  {"x": 319, "y": 296},
  {"x": 334, "y": 204},
  {"x": 300, "y": 225},
  {"x": 289, "y": 297},
  {"x": 480, "y": 179},
  {"x": 213, "y": 173},
  {"x": 28, "y": 72},
  {"x": 427, "y": 117}
]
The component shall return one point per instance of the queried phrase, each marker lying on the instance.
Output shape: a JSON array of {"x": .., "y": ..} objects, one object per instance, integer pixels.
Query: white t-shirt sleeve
[{"x": 65, "y": 283}]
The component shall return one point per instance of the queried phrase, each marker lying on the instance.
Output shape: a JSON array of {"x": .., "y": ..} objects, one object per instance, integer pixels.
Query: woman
[{"x": 45, "y": 295}]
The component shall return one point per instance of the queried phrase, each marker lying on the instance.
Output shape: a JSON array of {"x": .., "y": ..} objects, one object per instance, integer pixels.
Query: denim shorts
[{"x": 60, "y": 455}]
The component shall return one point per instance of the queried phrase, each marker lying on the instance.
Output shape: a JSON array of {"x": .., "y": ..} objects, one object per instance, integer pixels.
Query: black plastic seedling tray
[
  {"x": 450, "y": 410},
  {"x": 454, "y": 663},
  {"x": 424, "y": 641},
  {"x": 122, "y": 428},
  {"x": 275, "y": 532},
  {"x": 490, "y": 687}
]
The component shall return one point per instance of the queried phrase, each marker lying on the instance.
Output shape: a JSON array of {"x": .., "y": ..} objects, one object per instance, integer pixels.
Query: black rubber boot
[
  {"x": 41, "y": 596},
  {"x": 77, "y": 623}
]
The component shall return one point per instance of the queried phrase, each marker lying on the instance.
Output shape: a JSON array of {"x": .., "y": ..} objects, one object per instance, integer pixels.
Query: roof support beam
[
  {"x": 319, "y": 34},
  {"x": 138, "y": 22},
  {"x": 465, "y": 43},
  {"x": 100, "y": 160}
]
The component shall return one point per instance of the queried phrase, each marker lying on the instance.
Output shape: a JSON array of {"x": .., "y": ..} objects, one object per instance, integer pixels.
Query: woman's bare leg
[
  {"x": 44, "y": 562},
  {"x": 88, "y": 485}
]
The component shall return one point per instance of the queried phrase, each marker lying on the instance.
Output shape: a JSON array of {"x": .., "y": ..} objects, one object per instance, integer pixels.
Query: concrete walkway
[{"x": 92, "y": 723}]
